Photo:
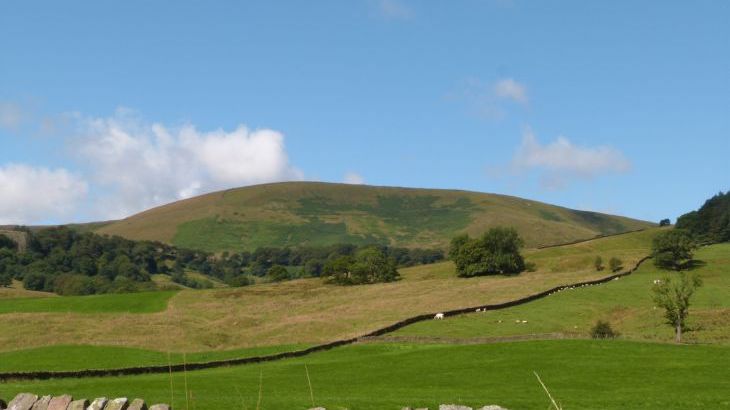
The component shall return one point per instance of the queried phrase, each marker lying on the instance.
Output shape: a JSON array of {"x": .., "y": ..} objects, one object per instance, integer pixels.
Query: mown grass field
[
  {"x": 311, "y": 213},
  {"x": 145, "y": 302},
  {"x": 82, "y": 357},
  {"x": 304, "y": 311},
  {"x": 581, "y": 374},
  {"x": 625, "y": 303}
]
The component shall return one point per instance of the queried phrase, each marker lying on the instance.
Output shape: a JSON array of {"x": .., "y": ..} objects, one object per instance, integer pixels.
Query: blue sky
[{"x": 107, "y": 108}]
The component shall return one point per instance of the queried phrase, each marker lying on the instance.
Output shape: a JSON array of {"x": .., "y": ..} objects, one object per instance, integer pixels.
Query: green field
[
  {"x": 144, "y": 302},
  {"x": 432, "y": 362},
  {"x": 82, "y": 357},
  {"x": 303, "y": 312},
  {"x": 625, "y": 303},
  {"x": 312, "y": 213},
  {"x": 581, "y": 374}
]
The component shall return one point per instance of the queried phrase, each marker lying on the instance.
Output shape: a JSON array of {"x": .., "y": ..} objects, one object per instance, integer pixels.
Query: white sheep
[{"x": 439, "y": 316}]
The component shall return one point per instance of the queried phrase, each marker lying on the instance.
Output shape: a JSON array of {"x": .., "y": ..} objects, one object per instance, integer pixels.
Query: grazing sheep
[
  {"x": 479, "y": 310},
  {"x": 524, "y": 321},
  {"x": 657, "y": 281},
  {"x": 439, "y": 316}
]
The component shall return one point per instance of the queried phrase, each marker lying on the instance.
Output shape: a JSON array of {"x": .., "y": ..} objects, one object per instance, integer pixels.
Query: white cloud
[
  {"x": 11, "y": 115},
  {"x": 31, "y": 195},
  {"x": 139, "y": 165},
  {"x": 394, "y": 9},
  {"x": 486, "y": 99},
  {"x": 562, "y": 160},
  {"x": 512, "y": 90},
  {"x": 354, "y": 178}
]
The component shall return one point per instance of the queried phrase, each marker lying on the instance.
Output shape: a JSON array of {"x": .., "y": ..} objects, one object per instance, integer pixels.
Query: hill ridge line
[
  {"x": 600, "y": 236},
  {"x": 130, "y": 371}
]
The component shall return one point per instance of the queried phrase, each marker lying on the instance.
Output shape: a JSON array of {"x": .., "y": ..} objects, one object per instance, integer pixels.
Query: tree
[
  {"x": 369, "y": 265},
  {"x": 496, "y": 252},
  {"x": 710, "y": 223},
  {"x": 5, "y": 279},
  {"x": 277, "y": 273},
  {"x": 673, "y": 249},
  {"x": 674, "y": 297},
  {"x": 598, "y": 263},
  {"x": 665, "y": 222},
  {"x": 615, "y": 264},
  {"x": 7, "y": 243},
  {"x": 373, "y": 266}
]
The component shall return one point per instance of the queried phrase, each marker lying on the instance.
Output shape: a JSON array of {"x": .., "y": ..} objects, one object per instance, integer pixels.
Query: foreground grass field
[
  {"x": 82, "y": 357},
  {"x": 297, "y": 312},
  {"x": 313, "y": 213},
  {"x": 625, "y": 303},
  {"x": 581, "y": 374}
]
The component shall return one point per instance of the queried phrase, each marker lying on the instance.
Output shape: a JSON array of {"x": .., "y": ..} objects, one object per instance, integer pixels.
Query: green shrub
[
  {"x": 598, "y": 263},
  {"x": 615, "y": 264},
  {"x": 603, "y": 330}
]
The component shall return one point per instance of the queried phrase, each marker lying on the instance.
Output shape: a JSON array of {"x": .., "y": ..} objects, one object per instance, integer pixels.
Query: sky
[{"x": 109, "y": 108}]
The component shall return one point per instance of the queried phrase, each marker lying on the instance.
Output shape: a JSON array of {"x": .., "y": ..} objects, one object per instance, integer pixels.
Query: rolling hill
[{"x": 314, "y": 213}]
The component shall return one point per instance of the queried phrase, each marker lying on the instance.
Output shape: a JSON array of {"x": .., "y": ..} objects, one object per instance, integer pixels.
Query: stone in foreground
[
  {"x": 79, "y": 404},
  {"x": 59, "y": 402},
  {"x": 98, "y": 403},
  {"x": 160, "y": 407},
  {"x": 42, "y": 403},
  {"x": 117, "y": 404},
  {"x": 492, "y": 407},
  {"x": 137, "y": 404},
  {"x": 454, "y": 407},
  {"x": 23, "y": 401}
]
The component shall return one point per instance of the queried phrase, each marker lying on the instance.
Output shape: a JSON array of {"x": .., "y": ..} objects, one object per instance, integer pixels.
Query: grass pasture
[
  {"x": 82, "y": 357},
  {"x": 618, "y": 375},
  {"x": 305, "y": 311},
  {"x": 144, "y": 302},
  {"x": 625, "y": 303}
]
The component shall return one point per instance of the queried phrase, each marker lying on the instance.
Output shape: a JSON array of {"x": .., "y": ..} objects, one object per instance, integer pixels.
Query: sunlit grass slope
[
  {"x": 304, "y": 311},
  {"x": 582, "y": 374},
  {"x": 309, "y": 213},
  {"x": 81, "y": 357},
  {"x": 625, "y": 303},
  {"x": 145, "y": 302}
]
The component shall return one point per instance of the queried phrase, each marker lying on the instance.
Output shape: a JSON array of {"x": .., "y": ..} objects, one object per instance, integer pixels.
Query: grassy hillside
[
  {"x": 309, "y": 213},
  {"x": 582, "y": 374},
  {"x": 144, "y": 302},
  {"x": 625, "y": 303},
  {"x": 305, "y": 311}
]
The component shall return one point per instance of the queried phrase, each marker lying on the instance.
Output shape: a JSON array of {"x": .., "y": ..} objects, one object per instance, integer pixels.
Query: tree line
[
  {"x": 710, "y": 223},
  {"x": 69, "y": 262}
]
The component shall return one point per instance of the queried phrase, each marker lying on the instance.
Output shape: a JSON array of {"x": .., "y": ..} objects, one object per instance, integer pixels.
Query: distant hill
[{"x": 314, "y": 213}]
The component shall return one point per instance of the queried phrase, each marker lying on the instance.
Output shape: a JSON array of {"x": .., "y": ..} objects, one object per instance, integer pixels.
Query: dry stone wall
[{"x": 29, "y": 401}]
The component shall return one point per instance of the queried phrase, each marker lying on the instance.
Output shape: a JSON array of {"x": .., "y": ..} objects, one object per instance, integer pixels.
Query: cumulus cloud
[
  {"x": 561, "y": 160},
  {"x": 512, "y": 90},
  {"x": 354, "y": 178},
  {"x": 35, "y": 194},
  {"x": 394, "y": 9},
  {"x": 138, "y": 165},
  {"x": 11, "y": 115}
]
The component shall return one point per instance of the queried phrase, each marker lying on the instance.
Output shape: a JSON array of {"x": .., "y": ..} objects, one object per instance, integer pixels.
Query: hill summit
[{"x": 316, "y": 214}]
